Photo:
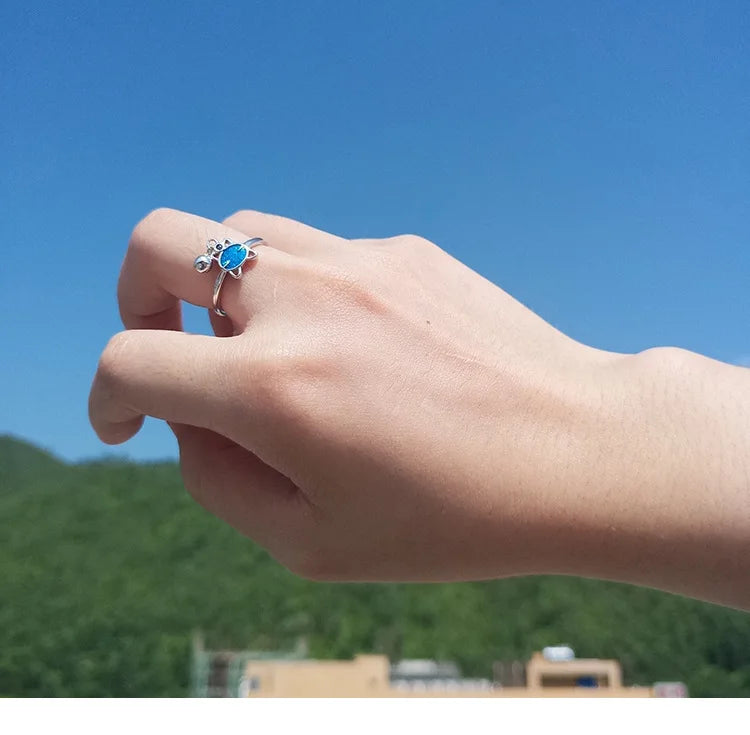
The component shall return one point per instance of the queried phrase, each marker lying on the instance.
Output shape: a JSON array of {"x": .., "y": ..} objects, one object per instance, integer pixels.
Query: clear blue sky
[{"x": 592, "y": 158}]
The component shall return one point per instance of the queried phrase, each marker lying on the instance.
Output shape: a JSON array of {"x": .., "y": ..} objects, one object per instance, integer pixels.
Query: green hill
[{"x": 107, "y": 568}]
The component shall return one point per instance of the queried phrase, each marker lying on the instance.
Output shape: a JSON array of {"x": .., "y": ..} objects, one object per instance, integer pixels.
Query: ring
[{"x": 230, "y": 256}]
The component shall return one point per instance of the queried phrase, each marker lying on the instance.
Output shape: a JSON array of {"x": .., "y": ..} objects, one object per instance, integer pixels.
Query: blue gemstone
[{"x": 233, "y": 256}]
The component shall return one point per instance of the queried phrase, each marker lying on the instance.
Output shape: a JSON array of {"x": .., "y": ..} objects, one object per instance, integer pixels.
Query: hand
[
  {"x": 374, "y": 410},
  {"x": 377, "y": 412}
]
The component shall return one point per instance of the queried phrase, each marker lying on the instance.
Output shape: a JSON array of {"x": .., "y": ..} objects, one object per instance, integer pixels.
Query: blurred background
[{"x": 591, "y": 158}]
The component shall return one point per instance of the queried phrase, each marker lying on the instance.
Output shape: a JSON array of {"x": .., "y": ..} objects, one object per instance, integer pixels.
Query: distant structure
[
  {"x": 221, "y": 673},
  {"x": 553, "y": 673},
  {"x": 372, "y": 676}
]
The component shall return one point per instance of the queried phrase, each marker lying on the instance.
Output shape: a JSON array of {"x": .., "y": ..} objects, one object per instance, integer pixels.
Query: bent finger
[
  {"x": 158, "y": 271},
  {"x": 185, "y": 378}
]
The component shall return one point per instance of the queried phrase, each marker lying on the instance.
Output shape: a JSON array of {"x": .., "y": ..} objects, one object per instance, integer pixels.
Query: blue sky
[{"x": 592, "y": 158}]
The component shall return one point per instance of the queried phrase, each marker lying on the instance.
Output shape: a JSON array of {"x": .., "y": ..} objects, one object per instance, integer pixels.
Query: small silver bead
[{"x": 202, "y": 263}]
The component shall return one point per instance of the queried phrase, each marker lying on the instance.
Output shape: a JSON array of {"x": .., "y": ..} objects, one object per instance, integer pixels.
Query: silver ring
[{"x": 230, "y": 256}]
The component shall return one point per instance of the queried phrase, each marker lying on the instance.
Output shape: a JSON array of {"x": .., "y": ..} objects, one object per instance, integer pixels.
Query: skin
[{"x": 375, "y": 410}]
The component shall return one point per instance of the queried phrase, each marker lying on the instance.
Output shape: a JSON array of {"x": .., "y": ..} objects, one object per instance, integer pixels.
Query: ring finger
[{"x": 158, "y": 271}]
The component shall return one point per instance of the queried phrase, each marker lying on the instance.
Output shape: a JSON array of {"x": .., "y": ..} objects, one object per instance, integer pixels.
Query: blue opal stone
[{"x": 233, "y": 256}]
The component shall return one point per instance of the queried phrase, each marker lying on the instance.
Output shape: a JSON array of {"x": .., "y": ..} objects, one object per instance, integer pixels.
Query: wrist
[
  {"x": 554, "y": 447},
  {"x": 659, "y": 490}
]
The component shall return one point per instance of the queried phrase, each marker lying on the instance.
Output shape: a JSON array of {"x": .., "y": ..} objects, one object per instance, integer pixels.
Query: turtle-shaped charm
[{"x": 230, "y": 256}]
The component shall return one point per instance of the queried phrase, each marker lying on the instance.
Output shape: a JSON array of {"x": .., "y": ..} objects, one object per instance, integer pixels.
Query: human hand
[
  {"x": 375, "y": 414},
  {"x": 375, "y": 410}
]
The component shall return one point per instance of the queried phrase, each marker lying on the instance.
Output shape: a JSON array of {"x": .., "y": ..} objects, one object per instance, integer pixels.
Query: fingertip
[
  {"x": 113, "y": 422},
  {"x": 119, "y": 433}
]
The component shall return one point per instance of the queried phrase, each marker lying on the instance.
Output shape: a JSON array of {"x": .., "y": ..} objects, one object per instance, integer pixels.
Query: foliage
[{"x": 107, "y": 568}]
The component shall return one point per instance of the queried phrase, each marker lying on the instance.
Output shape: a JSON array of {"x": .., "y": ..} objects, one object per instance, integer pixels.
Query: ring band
[{"x": 230, "y": 256}]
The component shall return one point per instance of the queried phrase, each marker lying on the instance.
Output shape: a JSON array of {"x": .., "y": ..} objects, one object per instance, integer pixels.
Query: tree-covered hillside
[{"x": 107, "y": 568}]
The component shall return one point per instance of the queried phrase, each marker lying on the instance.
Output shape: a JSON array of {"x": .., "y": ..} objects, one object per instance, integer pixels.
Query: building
[{"x": 372, "y": 676}]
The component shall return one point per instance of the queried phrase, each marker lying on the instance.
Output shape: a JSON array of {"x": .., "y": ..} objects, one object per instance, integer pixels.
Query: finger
[
  {"x": 185, "y": 378},
  {"x": 236, "y": 486},
  {"x": 158, "y": 271},
  {"x": 222, "y": 325},
  {"x": 286, "y": 234}
]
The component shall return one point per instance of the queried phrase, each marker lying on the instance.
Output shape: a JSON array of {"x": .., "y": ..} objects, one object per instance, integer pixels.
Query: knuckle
[
  {"x": 420, "y": 247},
  {"x": 252, "y": 221},
  {"x": 142, "y": 233},
  {"x": 408, "y": 252},
  {"x": 241, "y": 215},
  {"x": 411, "y": 242},
  {"x": 110, "y": 361},
  {"x": 668, "y": 361}
]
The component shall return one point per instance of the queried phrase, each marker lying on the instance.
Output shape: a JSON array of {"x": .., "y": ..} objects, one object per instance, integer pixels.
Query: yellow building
[{"x": 373, "y": 676}]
